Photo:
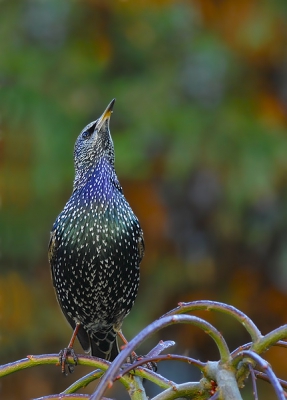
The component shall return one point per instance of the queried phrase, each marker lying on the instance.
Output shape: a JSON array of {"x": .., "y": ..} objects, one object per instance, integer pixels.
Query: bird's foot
[
  {"x": 63, "y": 360},
  {"x": 151, "y": 365}
]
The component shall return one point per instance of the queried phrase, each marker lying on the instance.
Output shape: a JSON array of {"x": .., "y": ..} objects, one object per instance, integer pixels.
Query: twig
[
  {"x": 53, "y": 359},
  {"x": 160, "y": 347},
  {"x": 167, "y": 357},
  {"x": 65, "y": 396},
  {"x": 248, "y": 354},
  {"x": 190, "y": 389},
  {"x": 264, "y": 377},
  {"x": 253, "y": 378},
  {"x": 281, "y": 343},
  {"x": 221, "y": 307},
  {"x": 270, "y": 339},
  {"x": 247, "y": 346},
  {"x": 34, "y": 360},
  {"x": 241, "y": 348},
  {"x": 84, "y": 381},
  {"x": 154, "y": 377},
  {"x": 148, "y": 331}
]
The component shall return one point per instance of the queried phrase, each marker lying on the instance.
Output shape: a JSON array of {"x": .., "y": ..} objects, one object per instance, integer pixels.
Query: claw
[
  {"x": 149, "y": 365},
  {"x": 63, "y": 360},
  {"x": 157, "y": 350},
  {"x": 69, "y": 351}
]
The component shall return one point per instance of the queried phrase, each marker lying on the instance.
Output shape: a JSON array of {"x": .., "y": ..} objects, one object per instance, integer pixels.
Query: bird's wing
[
  {"x": 52, "y": 248},
  {"x": 82, "y": 335},
  {"x": 141, "y": 246}
]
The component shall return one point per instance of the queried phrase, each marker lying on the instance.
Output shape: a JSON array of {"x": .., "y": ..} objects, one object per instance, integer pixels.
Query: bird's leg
[
  {"x": 69, "y": 351},
  {"x": 133, "y": 353},
  {"x": 134, "y": 357}
]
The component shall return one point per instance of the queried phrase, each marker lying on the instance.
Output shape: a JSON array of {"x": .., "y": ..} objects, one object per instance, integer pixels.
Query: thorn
[{"x": 30, "y": 357}]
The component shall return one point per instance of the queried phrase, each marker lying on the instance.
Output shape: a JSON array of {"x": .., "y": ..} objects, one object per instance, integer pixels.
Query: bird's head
[{"x": 94, "y": 143}]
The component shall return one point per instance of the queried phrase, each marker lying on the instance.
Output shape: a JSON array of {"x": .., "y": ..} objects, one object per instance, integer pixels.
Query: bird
[{"x": 95, "y": 248}]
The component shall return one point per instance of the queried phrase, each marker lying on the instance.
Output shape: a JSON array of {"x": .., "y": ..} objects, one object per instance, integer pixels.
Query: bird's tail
[{"x": 105, "y": 344}]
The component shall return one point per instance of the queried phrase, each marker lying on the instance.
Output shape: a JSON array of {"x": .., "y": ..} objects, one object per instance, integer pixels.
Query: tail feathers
[
  {"x": 84, "y": 339},
  {"x": 102, "y": 344},
  {"x": 105, "y": 345}
]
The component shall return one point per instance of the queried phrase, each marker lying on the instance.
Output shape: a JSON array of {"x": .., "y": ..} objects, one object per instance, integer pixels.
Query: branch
[
  {"x": 66, "y": 396},
  {"x": 136, "y": 390},
  {"x": 142, "y": 373},
  {"x": 84, "y": 381},
  {"x": 264, "y": 377},
  {"x": 270, "y": 339},
  {"x": 160, "y": 347},
  {"x": 167, "y": 357},
  {"x": 221, "y": 307},
  {"x": 253, "y": 378},
  {"x": 189, "y": 389},
  {"x": 224, "y": 376},
  {"x": 53, "y": 359},
  {"x": 241, "y": 348},
  {"x": 266, "y": 367},
  {"x": 148, "y": 331},
  {"x": 34, "y": 360},
  {"x": 152, "y": 376},
  {"x": 265, "y": 342}
]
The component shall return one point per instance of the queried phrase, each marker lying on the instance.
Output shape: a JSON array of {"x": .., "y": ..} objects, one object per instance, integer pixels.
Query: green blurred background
[{"x": 200, "y": 134}]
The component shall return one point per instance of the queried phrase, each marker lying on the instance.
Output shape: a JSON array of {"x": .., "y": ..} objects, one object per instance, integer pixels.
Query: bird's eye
[
  {"x": 89, "y": 130},
  {"x": 86, "y": 134}
]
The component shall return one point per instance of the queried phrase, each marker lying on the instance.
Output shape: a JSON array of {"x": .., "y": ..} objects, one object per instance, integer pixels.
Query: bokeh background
[{"x": 200, "y": 134}]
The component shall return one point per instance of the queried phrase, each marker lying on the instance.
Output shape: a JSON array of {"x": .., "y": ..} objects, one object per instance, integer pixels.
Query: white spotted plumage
[{"x": 96, "y": 245}]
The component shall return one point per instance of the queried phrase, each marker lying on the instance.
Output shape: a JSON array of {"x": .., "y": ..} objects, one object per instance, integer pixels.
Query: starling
[{"x": 96, "y": 246}]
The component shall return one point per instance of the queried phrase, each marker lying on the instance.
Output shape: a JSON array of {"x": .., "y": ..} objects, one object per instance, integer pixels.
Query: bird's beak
[{"x": 106, "y": 115}]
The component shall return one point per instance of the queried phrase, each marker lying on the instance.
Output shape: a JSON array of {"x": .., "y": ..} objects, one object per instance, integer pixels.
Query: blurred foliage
[{"x": 200, "y": 136}]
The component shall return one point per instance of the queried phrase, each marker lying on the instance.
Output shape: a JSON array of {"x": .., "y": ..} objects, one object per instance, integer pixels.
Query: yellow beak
[{"x": 106, "y": 115}]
